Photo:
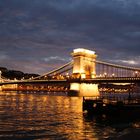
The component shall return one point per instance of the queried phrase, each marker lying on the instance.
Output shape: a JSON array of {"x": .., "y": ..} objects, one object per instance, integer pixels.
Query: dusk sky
[{"x": 38, "y": 35}]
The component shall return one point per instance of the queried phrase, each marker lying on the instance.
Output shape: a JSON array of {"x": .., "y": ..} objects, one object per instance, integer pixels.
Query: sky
[{"x": 37, "y": 36}]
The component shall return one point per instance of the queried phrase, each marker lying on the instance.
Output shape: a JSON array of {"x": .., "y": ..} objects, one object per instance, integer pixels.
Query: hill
[{"x": 12, "y": 74}]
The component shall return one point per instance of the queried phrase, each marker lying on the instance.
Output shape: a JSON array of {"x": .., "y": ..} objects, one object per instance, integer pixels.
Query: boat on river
[{"x": 99, "y": 106}]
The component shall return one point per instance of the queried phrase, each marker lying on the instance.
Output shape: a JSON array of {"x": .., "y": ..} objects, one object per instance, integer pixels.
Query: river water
[{"x": 43, "y": 116}]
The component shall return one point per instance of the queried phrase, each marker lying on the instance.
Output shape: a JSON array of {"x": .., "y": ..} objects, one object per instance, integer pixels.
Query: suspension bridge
[{"x": 84, "y": 73}]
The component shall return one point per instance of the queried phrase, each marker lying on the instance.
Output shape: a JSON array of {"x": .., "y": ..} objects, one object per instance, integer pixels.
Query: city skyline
[{"x": 38, "y": 35}]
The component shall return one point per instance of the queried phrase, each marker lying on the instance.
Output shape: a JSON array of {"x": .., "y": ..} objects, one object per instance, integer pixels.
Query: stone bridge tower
[{"x": 84, "y": 65}]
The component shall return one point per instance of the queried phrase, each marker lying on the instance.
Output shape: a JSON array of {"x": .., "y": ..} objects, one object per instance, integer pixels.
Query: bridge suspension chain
[
  {"x": 105, "y": 69},
  {"x": 118, "y": 66},
  {"x": 56, "y": 71}
]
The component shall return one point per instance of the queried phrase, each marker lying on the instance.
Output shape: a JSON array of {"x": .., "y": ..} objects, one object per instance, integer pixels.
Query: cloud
[
  {"x": 130, "y": 62},
  {"x": 3, "y": 56},
  {"x": 55, "y": 58},
  {"x": 43, "y": 33}
]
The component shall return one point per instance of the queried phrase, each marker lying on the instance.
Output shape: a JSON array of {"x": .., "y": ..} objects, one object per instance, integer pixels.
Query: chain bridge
[{"x": 85, "y": 75}]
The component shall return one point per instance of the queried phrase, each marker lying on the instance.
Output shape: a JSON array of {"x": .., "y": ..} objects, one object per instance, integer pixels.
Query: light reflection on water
[{"x": 33, "y": 116}]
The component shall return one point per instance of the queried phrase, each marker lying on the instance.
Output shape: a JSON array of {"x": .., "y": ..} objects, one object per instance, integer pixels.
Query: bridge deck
[{"x": 68, "y": 81}]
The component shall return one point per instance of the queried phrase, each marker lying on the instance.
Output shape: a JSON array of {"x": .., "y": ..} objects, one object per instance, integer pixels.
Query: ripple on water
[{"x": 32, "y": 116}]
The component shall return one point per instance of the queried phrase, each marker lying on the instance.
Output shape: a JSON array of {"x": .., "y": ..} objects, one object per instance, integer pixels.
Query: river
[{"x": 49, "y": 116}]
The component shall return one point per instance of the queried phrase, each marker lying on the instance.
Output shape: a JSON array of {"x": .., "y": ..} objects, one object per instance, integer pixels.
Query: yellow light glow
[
  {"x": 83, "y": 75},
  {"x": 89, "y": 90},
  {"x": 93, "y": 75},
  {"x": 74, "y": 86},
  {"x": 86, "y": 90},
  {"x": 81, "y": 50}
]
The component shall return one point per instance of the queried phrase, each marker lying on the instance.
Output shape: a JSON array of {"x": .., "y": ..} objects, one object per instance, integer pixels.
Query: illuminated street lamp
[
  {"x": 0, "y": 75},
  {"x": 113, "y": 74},
  {"x": 136, "y": 73},
  {"x": 67, "y": 75},
  {"x": 105, "y": 74}
]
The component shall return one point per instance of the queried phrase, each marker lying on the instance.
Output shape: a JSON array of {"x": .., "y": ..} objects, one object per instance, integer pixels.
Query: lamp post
[
  {"x": 105, "y": 74},
  {"x": 136, "y": 73},
  {"x": 113, "y": 74},
  {"x": 0, "y": 75}
]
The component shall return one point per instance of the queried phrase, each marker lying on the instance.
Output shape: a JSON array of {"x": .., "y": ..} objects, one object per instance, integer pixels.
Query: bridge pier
[
  {"x": 84, "y": 89},
  {"x": 84, "y": 65}
]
